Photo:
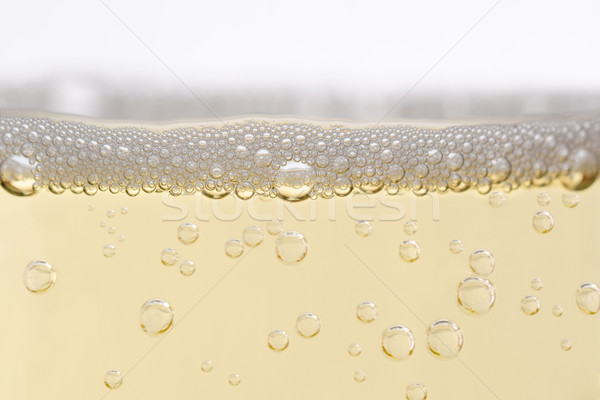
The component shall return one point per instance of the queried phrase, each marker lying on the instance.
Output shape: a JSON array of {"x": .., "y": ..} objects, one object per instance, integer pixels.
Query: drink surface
[{"x": 487, "y": 293}]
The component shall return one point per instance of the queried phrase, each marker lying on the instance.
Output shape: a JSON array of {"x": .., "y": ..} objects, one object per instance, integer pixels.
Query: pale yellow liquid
[{"x": 60, "y": 343}]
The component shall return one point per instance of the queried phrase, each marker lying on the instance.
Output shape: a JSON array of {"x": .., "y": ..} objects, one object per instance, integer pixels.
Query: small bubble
[
  {"x": 308, "y": 325},
  {"x": 111, "y": 230},
  {"x": 476, "y": 295},
  {"x": 537, "y": 284},
  {"x": 156, "y": 317},
  {"x": 444, "y": 339},
  {"x": 583, "y": 171},
  {"x": 354, "y": 349},
  {"x": 456, "y": 246},
  {"x": 543, "y": 199},
  {"x": 102, "y": 224},
  {"x": 207, "y": 366},
  {"x": 39, "y": 276},
  {"x": 187, "y": 268},
  {"x": 17, "y": 177},
  {"x": 543, "y": 221},
  {"x": 363, "y": 228},
  {"x": 234, "y": 248},
  {"x": 110, "y": 213},
  {"x": 253, "y": 235},
  {"x": 416, "y": 391},
  {"x": 530, "y": 305},
  {"x": 397, "y": 342},
  {"x": 113, "y": 379},
  {"x": 360, "y": 376},
  {"x": 482, "y": 262},
  {"x": 409, "y": 251},
  {"x": 124, "y": 210},
  {"x": 497, "y": 199},
  {"x": 588, "y": 298},
  {"x": 410, "y": 227},
  {"x": 234, "y": 379},
  {"x": 278, "y": 340},
  {"x": 91, "y": 207},
  {"x": 291, "y": 247},
  {"x": 557, "y": 311},
  {"x": 570, "y": 199},
  {"x": 109, "y": 250},
  {"x": 169, "y": 257},
  {"x": 366, "y": 312},
  {"x": 187, "y": 233},
  {"x": 566, "y": 344},
  {"x": 274, "y": 227},
  {"x": 121, "y": 238}
]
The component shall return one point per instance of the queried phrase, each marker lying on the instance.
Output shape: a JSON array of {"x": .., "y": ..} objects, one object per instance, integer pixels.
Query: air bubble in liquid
[
  {"x": 397, "y": 342},
  {"x": 482, "y": 262},
  {"x": 360, "y": 376},
  {"x": 354, "y": 349},
  {"x": 566, "y": 344},
  {"x": 187, "y": 233},
  {"x": 543, "y": 222},
  {"x": 39, "y": 276},
  {"x": 110, "y": 213},
  {"x": 537, "y": 284},
  {"x": 557, "y": 311},
  {"x": 113, "y": 379},
  {"x": 530, "y": 305},
  {"x": 570, "y": 199},
  {"x": 476, "y": 295},
  {"x": 583, "y": 170},
  {"x": 588, "y": 298},
  {"x": 444, "y": 339},
  {"x": 169, "y": 257},
  {"x": 234, "y": 248},
  {"x": 294, "y": 181},
  {"x": 456, "y": 246},
  {"x": 206, "y": 366},
  {"x": 308, "y": 325},
  {"x": 291, "y": 247},
  {"x": 187, "y": 268},
  {"x": 253, "y": 235},
  {"x": 366, "y": 312},
  {"x": 274, "y": 227},
  {"x": 410, "y": 251},
  {"x": 543, "y": 199},
  {"x": 410, "y": 227},
  {"x": 416, "y": 391},
  {"x": 16, "y": 176},
  {"x": 278, "y": 340},
  {"x": 363, "y": 228},
  {"x": 109, "y": 250},
  {"x": 156, "y": 317},
  {"x": 234, "y": 379}
]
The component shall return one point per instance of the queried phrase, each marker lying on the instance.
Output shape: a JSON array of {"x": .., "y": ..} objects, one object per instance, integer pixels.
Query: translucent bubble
[
  {"x": 187, "y": 233},
  {"x": 253, "y": 235},
  {"x": 111, "y": 230},
  {"x": 187, "y": 268},
  {"x": 291, "y": 247},
  {"x": 566, "y": 344},
  {"x": 497, "y": 199},
  {"x": 397, "y": 342},
  {"x": 455, "y": 161},
  {"x": 583, "y": 171},
  {"x": 169, "y": 257},
  {"x": 16, "y": 176},
  {"x": 39, "y": 276},
  {"x": 444, "y": 339},
  {"x": 482, "y": 262},
  {"x": 109, "y": 250},
  {"x": 354, "y": 349},
  {"x": 102, "y": 224},
  {"x": 499, "y": 170},
  {"x": 456, "y": 246},
  {"x": 557, "y": 311},
  {"x": 91, "y": 207},
  {"x": 294, "y": 181},
  {"x": 570, "y": 199},
  {"x": 121, "y": 238},
  {"x": 156, "y": 317},
  {"x": 366, "y": 312},
  {"x": 360, "y": 376},
  {"x": 110, "y": 213},
  {"x": 124, "y": 210},
  {"x": 363, "y": 228},
  {"x": 278, "y": 340},
  {"x": 588, "y": 298},
  {"x": 537, "y": 284},
  {"x": 543, "y": 199},
  {"x": 543, "y": 221},
  {"x": 410, "y": 227},
  {"x": 416, "y": 391},
  {"x": 207, "y": 366},
  {"x": 234, "y": 248},
  {"x": 308, "y": 325},
  {"x": 113, "y": 379},
  {"x": 409, "y": 251},
  {"x": 274, "y": 227},
  {"x": 263, "y": 158},
  {"x": 234, "y": 379},
  {"x": 476, "y": 295},
  {"x": 530, "y": 305}
]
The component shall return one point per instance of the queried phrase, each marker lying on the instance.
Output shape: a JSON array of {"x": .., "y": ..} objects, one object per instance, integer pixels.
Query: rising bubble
[
  {"x": 557, "y": 311},
  {"x": 397, "y": 342},
  {"x": 234, "y": 379},
  {"x": 456, "y": 246},
  {"x": 291, "y": 247},
  {"x": 234, "y": 248},
  {"x": 588, "y": 298},
  {"x": 476, "y": 295},
  {"x": 570, "y": 199},
  {"x": 39, "y": 276},
  {"x": 109, "y": 250},
  {"x": 156, "y": 317},
  {"x": 543, "y": 199},
  {"x": 274, "y": 227},
  {"x": 187, "y": 268},
  {"x": 360, "y": 376},
  {"x": 416, "y": 391},
  {"x": 363, "y": 228},
  {"x": 187, "y": 233},
  {"x": 278, "y": 340},
  {"x": 207, "y": 366},
  {"x": 543, "y": 221},
  {"x": 113, "y": 379},
  {"x": 444, "y": 339},
  {"x": 169, "y": 257},
  {"x": 482, "y": 262},
  {"x": 537, "y": 284},
  {"x": 354, "y": 349},
  {"x": 566, "y": 344},
  {"x": 530, "y": 305},
  {"x": 410, "y": 251},
  {"x": 366, "y": 312},
  {"x": 497, "y": 199},
  {"x": 410, "y": 227},
  {"x": 253, "y": 235},
  {"x": 308, "y": 325}
]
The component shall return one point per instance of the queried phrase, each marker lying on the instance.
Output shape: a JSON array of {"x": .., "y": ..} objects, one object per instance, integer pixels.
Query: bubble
[
  {"x": 537, "y": 284},
  {"x": 121, "y": 238},
  {"x": 499, "y": 170},
  {"x": 169, "y": 257},
  {"x": 409, "y": 251},
  {"x": 234, "y": 248},
  {"x": 291, "y": 247},
  {"x": 416, "y": 391},
  {"x": 360, "y": 376},
  {"x": 253, "y": 235},
  {"x": 187, "y": 233},
  {"x": 234, "y": 379},
  {"x": 570, "y": 199},
  {"x": 354, "y": 349},
  {"x": 366, "y": 312},
  {"x": 410, "y": 227},
  {"x": 543, "y": 199},
  {"x": 397, "y": 342},
  {"x": 113, "y": 379},
  {"x": 187, "y": 268},
  {"x": 456, "y": 246},
  {"x": 566, "y": 344},
  {"x": 588, "y": 298},
  {"x": 455, "y": 161},
  {"x": 583, "y": 171},
  {"x": 294, "y": 181},
  {"x": 91, "y": 207},
  {"x": 110, "y": 213},
  {"x": 530, "y": 305},
  {"x": 102, "y": 224},
  {"x": 111, "y": 230},
  {"x": 363, "y": 228},
  {"x": 207, "y": 366},
  {"x": 109, "y": 250},
  {"x": 124, "y": 210},
  {"x": 263, "y": 158},
  {"x": 274, "y": 227},
  {"x": 39, "y": 276},
  {"x": 543, "y": 221},
  {"x": 557, "y": 311},
  {"x": 308, "y": 325},
  {"x": 16, "y": 176},
  {"x": 476, "y": 295},
  {"x": 156, "y": 317},
  {"x": 497, "y": 199},
  {"x": 278, "y": 340},
  {"x": 444, "y": 339},
  {"x": 482, "y": 262}
]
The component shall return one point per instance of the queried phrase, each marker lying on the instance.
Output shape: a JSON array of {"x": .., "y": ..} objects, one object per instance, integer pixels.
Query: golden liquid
[{"x": 60, "y": 343}]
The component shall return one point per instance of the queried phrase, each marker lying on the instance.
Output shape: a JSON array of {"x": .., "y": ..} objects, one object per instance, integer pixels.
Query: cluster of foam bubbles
[{"x": 293, "y": 160}]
